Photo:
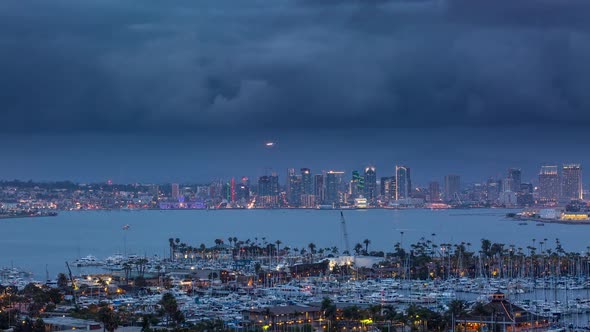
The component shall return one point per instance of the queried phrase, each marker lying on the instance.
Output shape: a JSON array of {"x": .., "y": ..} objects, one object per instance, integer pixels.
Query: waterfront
[{"x": 33, "y": 243}]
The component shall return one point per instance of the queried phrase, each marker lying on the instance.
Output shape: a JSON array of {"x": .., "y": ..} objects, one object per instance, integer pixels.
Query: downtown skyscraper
[
  {"x": 333, "y": 184},
  {"x": 549, "y": 187},
  {"x": 452, "y": 187},
  {"x": 571, "y": 182},
  {"x": 403, "y": 182},
  {"x": 370, "y": 183}
]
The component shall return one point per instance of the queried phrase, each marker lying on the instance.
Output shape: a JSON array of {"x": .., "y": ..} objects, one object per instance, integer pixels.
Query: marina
[{"x": 230, "y": 279}]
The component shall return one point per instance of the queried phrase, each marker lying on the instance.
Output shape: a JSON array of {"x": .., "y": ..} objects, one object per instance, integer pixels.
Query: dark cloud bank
[{"x": 188, "y": 65}]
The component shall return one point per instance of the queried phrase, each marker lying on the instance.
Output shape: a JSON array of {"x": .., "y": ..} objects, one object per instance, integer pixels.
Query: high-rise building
[
  {"x": 571, "y": 182},
  {"x": 274, "y": 184},
  {"x": 357, "y": 185},
  {"x": 268, "y": 190},
  {"x": 434, "y": 190},
  {"x": 548, "y": 184},
  {"x": 388, "y": 188},
  {"x": 333, "y": 186},
  {"x": 492, "y": 190},
  {"x": 242, "y": 192},
  {"x": 525, "y": 196},
  {"x": 306, "y": 182},
  {"x": 293, "y": 188},
  {"x": 318, "y": 186},
  {"x": 175, "y": 191},
  {"x": 452, "y": 187},
  {"x": 264, "y": 186},
  {"x": 403, "y": 182},
  {"x": 515, "y": 176},
  {"x": 370, "y": 183}
]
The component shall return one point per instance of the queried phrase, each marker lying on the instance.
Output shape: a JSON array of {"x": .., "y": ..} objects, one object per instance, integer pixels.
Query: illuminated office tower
[
  {"x": 403, "y": 182},
  {"x": 548, "y": 184},
  {"x": 452, "y": 187},
  {"x": 293, "y": 188},
  {"x": 434, "y": 190},
  {"x": 306, "y": 182},
  {"x": 370, "y": 183},
  {"x": 175, "y": 191},
  {"x": 318, "y": 187},
  {"x": 515, "y": 176},
  {"x": 333, "y": 187},
  {"x": 571, "y": 182}
]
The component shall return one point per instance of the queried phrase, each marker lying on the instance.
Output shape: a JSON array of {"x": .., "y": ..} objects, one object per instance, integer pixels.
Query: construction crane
[
  {"x": 344, "y": 233},
  {"x": 74, "y": 286}
]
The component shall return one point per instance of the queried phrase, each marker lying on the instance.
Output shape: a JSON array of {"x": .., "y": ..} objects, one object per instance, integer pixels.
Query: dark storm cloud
[{"x": 163, "y": 66}]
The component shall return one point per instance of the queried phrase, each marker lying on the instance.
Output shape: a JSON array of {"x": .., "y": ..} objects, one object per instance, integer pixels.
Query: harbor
[{"x": 262, "y": 284}]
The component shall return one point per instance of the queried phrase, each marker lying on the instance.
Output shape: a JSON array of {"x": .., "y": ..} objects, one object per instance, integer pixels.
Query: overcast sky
[{"x": 203, "y": 69}]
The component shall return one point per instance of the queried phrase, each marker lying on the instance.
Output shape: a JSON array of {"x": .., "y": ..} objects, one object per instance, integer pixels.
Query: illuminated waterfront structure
[
  {"x": 318, "y": 187},
  {"x": 370, "y": 183},
  {"x": 293, "y": 188},
  {"x": 492, "y": 190},
  {"x": 548, "y": 184},
  {"x": 357, "y": 185},
  {"x": 515, "y": 176},
  {"x": 452, "y": 187},
  {"x": 388, "y": 188},
  {"x": 403, "y": 182},
  {"x": 571, "y": 182},
  {"x": 333, "y": 185},
  {"x": 434, "y": 191},
  {"x": 268, "y": 191},
  {"x": 306, "y": 182},
  {"x": 175, "y": 191}
]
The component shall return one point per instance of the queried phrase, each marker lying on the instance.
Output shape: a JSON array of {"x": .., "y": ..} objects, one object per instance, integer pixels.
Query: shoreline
[
  {"x": 550, "y": 221},
  {"x": 30, "y": 216}
]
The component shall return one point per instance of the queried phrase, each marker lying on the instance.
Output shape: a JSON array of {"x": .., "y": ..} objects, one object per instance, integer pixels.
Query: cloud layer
[{"x": 190, "y": 65}]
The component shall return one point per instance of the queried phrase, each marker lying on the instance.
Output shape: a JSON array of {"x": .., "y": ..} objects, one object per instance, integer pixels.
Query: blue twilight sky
[
  {"x": 188, "y": 90},
  {"x": 431, "y": 153}
]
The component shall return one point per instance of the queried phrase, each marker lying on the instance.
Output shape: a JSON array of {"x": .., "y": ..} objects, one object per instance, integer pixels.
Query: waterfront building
[
  {"x": 434, "y": 191},
  {"x": 333, "y": 185},
  {"x": 515, "y": 176},
  {"x": 370, "y": 183},
  {"x": 388, "y": 188},
  {"x": 403, "y": 182},
  {"x": 318, "y": 186},
  {"x": 526, "y": 188},
  {"x": 492, "y": 190},
  {"x": 452, "y": 187},
  {"x": 308, "y": 201},
  {"x": 274, "y": 184},
  {"x": 294, "y": 188},
  {"x": 175, "y": 191},
  {"x": 357, "y": 185},
  {"x": 548, "y": 184},
  {"x": 508, "y": 198},
  {"x": 507, "y": 184},
  {"x": 243, "y": 192},
  {"x": 501, "y": 315},
  {"x": 268, "y": 192},
  {"x": 571, "y": 182},
  {"x": 306, "y": 182},
  {"x": 360, "y": 203}
]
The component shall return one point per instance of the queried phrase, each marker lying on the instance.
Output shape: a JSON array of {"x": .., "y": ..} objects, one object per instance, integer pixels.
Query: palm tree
[
  {"x": 367, "y": 242},
  {"x": 108, "y": 318},
  {"x": 311, "y": 247},
  {"x": 278, "y": 243},
  {"x": 357, "y": 248}
]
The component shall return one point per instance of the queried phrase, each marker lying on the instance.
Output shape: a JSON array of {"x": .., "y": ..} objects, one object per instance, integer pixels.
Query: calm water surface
[{"x": 33, "y": 243}]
